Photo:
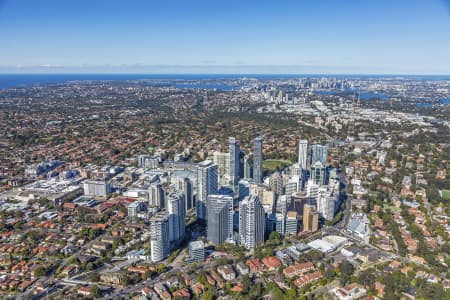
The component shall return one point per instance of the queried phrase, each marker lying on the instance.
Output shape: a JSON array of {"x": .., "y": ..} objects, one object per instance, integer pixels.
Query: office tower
[
  {"x": 292, "y": 186},
  {"x": 206, "y": 185},
  {"x": 159, "y": 236},
  {"x": 312, "y": 191},
  {"x": 184, "y": 185},
  {"x": 318, "y": 173},
  {"x": 96, "y": 188},
  {"x": 148, "y": 162},
  {"x": 279, "y": 223},
  {"x": 156, "y": 195},
  {"x": 319, "y": 153},
  {"x": 177, "y": 216},
  {"x": 283, "y": 204},
  {"x": 257, "y": 159},
  {"x": 302, "y": 154},
  {"x": 251, "y": 222},
  {"x": 222, "y": 160},
  {"x": 291, "y": 223},
  {"x": 243, "y": 189},
  {"x": 197, "y": 251},
  {"x": 298, "y": 202},
  {"x": 220, "y": 219},
  {"x": 276, "y": 183},
  {"x": 247, "y": 168},
  {"x": 310, "y": 218},
  {"x": 234, "y": 152}
]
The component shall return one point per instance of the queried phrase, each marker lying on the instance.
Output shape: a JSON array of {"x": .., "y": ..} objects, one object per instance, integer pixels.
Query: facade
[
  {"x": 318, "y": 173},
  {"x": 220, "y": 219},
  {"x": 156, "y": 195},
  {"x": 184, "y": 185},
  {"x": 280, "y": 223},
  {"x": 148, "y": 161},
  {"x": 177, "y": 215},
  {"x": 251, "y": 222},
  {"x": 319, "y": 153},
  {"x": 234, "y": 152},
  {"x": 243, "y": 189},
  {"x": 257, "y": 159},
  {"x": 197, "y": 251},
  {"x": 276, "y": 183},
  {"x": 222, "y": 160},
  {"x": 247, "y": 168},
  {"x": 96, "y": 188},
  {"x": 310, "y": 218},
  {"x": 302, "y": 154},
  {"x": 159, "y": 236},
  {"x": 291, "y": 223},
  {"x": 206, "y": 185}
]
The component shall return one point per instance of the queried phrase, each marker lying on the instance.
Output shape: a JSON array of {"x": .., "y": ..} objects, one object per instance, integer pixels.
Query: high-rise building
[
  {"x": 257, "y": 159},
  {"x": 156, "y": 195},
  {"x": 222, "y": 160},
  {"x": 302, "y": 154},
  {"x": 280, "y": 223},
  {"x": 206, "y": 185},
  {"x": 319, "y": 153},
  {"x": 159, "y": 236},
  {"x": 197, "y": 251},
  {"x": 276, "y": 183},
  {"x": 177, "y": 216},
  {"x": 220, "y": 219},
  {"x": 292, "y": 186},
  {"x": 251, "y": 222},
  {"x": 291, "y": 223},
  {"x": 318, "y": 173},
  {"x": 234, "y": 152},
  {"x": 184, "y": 185},
  {"x": 247, "y": 168},
  {"x": 310, "y": 218},
  {"x": 243, "y": 189}
]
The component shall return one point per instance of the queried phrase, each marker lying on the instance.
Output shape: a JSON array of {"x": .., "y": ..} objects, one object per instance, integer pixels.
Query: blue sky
[{"x": 193, "y": 36}]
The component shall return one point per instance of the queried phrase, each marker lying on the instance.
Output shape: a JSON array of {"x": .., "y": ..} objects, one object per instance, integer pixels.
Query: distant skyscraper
[
  {"x": 234, "y": 152},
  {"x": 247, "y": 168},
  {"x": 159, "y": 236},
  {"x": 319, "y": 153},
  {"x": 220, "y": 219},
  {"x": 206, "y": 185},
  {"x": 291, "y": 223},
  {"x": 184, "y": 185},
  {"x": 177, "y": 215},
  {"x": 302, "y": 154},
  {"x": 257, "y": 159},
  {"x": 222, "y": 160},
  {"x": 251, "y": 222}
]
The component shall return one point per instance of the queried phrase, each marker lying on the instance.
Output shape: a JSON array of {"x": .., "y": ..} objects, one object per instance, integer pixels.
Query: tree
[
  {"x": 95, "y": 291},
  {"x": 346, "y": 269}
]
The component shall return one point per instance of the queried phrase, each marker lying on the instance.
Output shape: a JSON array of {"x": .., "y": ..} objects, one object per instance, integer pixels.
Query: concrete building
[
  {"x": 234, "y": 152},
  {"x": 251, "y": 222},
  {"x": 156, "y": 195},
  {"x": 291, "y": 225},
  {"x": 177, "y": 216},
  {"x": 310, "y": 218},
  {"x": 197, "y": 251},
  {"x": 207, "y": 184},
  {"x": 159, "y": 236},
  {"x": 319, "y": 153},
  {"x": 303, "y": 154},
  {"x": 96, "y": 188},
  {"x": 222, "y": 160},
  {"x": 318, "y": 173},
  {"x": 220, "y": 219},
  {"x": 148, "y": 161},
  {"x": 257, "y": 159}
]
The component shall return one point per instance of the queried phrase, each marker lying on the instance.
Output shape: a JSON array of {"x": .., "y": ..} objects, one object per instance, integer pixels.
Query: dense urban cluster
[{"x": 296, "y": 188}]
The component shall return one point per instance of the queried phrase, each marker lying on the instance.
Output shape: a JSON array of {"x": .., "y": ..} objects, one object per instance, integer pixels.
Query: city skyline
[{"x": 232, "y": 37}]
